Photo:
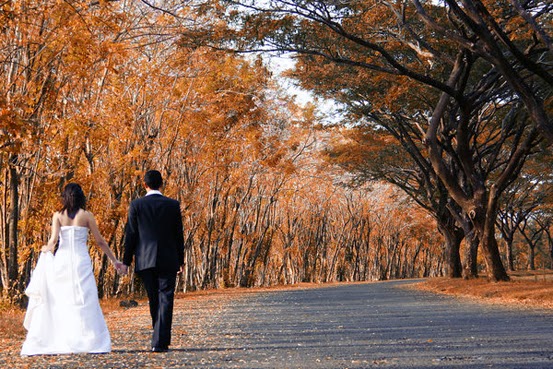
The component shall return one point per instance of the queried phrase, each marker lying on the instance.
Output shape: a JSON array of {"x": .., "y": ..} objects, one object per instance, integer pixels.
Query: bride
[{"x": 64, "y": 315}]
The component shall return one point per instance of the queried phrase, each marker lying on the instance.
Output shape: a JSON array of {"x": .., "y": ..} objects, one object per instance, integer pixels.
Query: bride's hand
[{"x": 47, "y": 249}]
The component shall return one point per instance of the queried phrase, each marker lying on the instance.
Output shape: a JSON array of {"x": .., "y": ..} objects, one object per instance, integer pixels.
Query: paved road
[
  {"x": 380, "y": 325},
  {"x": 372, "y": 325}
]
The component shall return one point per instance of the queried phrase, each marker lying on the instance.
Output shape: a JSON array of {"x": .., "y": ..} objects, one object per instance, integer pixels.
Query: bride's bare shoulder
[
  {"x": 61, "y": 217},
  {"x": 88, "y": 214}
]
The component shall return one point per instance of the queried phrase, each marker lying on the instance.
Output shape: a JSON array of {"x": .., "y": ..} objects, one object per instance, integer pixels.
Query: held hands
[{"x": 121, "y": 268}]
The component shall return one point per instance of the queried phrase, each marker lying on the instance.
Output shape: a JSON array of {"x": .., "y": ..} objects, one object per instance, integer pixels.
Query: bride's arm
[
  {"x": 100, "y": 241},
  {"x": 51, "y": 246}
]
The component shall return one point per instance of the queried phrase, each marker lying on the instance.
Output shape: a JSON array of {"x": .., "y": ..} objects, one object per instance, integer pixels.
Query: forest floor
[
  {"x": 130, "y": 326},
  {"x": 533, "y": 289}
]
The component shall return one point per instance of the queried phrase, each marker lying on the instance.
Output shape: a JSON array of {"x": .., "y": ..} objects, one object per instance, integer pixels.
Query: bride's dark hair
[{"x": 73, "y": 199}]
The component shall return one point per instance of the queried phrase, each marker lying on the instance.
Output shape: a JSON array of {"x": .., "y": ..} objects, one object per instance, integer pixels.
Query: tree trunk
[
  {"x": 531, "y": 257},
  {"x": 485, "y": 227},
  {"x": 510, "y": 256},
  {"x": 12, "y": 226},
  {"x": 471, "y": 255},
  {"x": 453, "y": 236},
  {"x": 102, "y": 276}
]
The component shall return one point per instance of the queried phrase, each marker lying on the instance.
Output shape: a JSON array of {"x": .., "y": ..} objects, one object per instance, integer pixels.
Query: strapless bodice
[{"x": 73, "y": 234}]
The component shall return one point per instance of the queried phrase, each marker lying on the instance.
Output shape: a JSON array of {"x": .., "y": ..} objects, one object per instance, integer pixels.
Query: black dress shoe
[{"x": 160, "y": 349}]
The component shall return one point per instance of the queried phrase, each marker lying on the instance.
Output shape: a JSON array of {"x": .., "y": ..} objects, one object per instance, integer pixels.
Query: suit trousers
[{"x": 160, "y": 287}]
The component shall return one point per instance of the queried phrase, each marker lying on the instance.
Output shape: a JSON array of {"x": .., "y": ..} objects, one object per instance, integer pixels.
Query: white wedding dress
[{"x": 64, "y": 314}]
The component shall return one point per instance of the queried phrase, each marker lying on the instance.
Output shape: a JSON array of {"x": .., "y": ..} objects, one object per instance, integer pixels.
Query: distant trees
[
  {"x": 373, "y": 155},
  {"x": 470, "y": 82},
  {"x": 525, "y": 217}
]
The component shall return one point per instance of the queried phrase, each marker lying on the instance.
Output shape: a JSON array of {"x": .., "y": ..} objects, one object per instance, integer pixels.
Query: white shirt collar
[{"x": 153, "y": 192}]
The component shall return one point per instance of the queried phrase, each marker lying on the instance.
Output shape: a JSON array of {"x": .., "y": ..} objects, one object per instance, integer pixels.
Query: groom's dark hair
[{"x": 153, "y": 179}]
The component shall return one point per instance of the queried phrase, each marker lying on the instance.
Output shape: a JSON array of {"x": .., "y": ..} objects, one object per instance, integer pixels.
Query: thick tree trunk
[
  {"x": 453, "y": 237},
  {"x": 485, "y": 227},
  {"x": 495, "y": 269},
  {"x": 471, "y": 255}
]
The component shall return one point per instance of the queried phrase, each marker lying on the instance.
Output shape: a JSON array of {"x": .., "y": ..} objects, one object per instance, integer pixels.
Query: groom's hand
[{"x": 121, "y": 268}]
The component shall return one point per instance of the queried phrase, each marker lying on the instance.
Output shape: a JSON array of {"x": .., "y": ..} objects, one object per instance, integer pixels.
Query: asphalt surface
[
  {"x": 379, "y": 325},
  {"x": 370, "y": 325}
]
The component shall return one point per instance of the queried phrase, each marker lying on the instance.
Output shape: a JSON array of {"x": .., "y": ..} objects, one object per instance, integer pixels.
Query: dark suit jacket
[{"x": 154, "y": 234}]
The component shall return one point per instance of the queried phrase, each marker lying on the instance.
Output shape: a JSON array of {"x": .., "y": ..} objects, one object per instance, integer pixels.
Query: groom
[{"x": 154, "y": 236}]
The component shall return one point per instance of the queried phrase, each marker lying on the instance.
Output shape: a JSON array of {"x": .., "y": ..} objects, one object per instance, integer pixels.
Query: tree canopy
[{"x": 468, "y": 81}]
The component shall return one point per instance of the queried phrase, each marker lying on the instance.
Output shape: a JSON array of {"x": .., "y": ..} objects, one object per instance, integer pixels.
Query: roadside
[{"x": 527, "y": 289}]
